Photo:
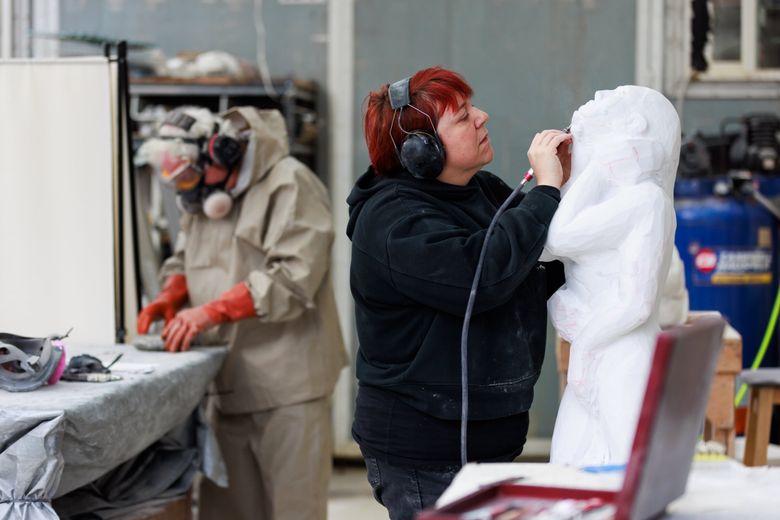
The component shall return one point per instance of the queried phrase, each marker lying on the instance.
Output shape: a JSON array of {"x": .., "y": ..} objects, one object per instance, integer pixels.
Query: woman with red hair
[{"x": 418, "y": 219}]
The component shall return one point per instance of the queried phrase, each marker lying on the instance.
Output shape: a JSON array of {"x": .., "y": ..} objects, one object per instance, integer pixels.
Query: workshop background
[{"x": 531, "y": 63}]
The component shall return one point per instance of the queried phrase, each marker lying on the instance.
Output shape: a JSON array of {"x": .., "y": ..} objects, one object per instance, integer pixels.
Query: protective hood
[
  {"x": 267, "y": 143},
  {"x": 367, "y": 185}
]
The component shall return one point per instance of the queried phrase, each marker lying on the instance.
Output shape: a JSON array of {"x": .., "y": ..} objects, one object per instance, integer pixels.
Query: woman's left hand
[
  {"x": 546, "y": 160},
  {"x": 564, "y": 156}
]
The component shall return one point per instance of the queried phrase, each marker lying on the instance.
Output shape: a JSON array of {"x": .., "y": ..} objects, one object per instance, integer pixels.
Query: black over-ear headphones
[{"x": 421, "y": 153}]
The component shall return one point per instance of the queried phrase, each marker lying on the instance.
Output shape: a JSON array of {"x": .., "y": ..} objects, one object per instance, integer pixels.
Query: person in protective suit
[{"x": 252, "y": 260}]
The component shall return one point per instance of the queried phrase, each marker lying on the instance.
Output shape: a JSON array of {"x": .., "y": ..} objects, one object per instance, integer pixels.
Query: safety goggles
[{"x": 180, "y": 172}]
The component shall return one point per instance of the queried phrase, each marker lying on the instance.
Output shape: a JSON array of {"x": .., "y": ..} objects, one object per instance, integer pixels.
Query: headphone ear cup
[
  {"x": 422, "y": 154},
  {"x": 224, "y": 150}
]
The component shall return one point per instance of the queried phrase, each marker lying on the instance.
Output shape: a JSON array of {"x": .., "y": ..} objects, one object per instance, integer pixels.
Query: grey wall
[{"x": 531, "y": 64}]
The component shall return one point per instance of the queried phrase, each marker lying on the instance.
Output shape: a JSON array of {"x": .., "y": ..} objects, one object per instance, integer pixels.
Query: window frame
[{"x": 663, "y": 55}]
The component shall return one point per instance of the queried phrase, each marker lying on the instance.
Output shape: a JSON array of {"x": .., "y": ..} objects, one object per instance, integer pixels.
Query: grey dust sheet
[{"x": 60, "y": 437}]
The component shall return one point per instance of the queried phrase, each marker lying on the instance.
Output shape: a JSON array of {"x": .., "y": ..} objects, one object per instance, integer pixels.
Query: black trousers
[{"x": 406, "y": 491}]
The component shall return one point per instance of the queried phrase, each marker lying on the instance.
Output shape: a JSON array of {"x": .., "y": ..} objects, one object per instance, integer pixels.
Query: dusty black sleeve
[
  {"x": 552, "y": 191},
  {"x": 432, "y": 260}
]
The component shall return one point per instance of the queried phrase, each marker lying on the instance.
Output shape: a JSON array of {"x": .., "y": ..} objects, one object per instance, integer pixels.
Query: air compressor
[{"x": 728, "y": 223}]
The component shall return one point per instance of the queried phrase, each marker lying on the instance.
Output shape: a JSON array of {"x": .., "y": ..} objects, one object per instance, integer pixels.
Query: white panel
[
  {"x": 649, "y": 43},
  {"x": 56, "y": 231},
  {"x": 749, "y": 34},
  {"x": 341, "y": 38},
  {"x": 128, "y": 214},
  {"x": 6, "y": 28},
  {"x": 22, "y": 22},
  {"x": 46, "y": 20}
]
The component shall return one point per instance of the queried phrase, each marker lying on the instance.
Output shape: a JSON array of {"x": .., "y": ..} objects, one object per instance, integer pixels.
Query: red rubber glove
[
  {"x": 171, "y": 298},
  {"x": 232, "y": 305}
]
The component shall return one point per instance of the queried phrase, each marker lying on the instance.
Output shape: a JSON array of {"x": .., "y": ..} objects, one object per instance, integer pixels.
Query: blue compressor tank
[{"x": 729, "y": 247}]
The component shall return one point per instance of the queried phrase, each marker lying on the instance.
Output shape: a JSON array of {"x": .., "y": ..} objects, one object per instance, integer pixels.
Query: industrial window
[
  {"x": 735, "y": 39},
  {"x": 709, "y": 48}
]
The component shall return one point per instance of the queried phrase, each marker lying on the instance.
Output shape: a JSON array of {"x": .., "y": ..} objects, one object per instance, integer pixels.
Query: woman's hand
[
  {"x": 551, "y": 167},
  {"x": 564, "y": 156}
]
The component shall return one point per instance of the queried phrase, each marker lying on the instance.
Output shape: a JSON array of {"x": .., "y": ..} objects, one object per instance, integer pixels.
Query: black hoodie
[{"x": 415, "y": 246}]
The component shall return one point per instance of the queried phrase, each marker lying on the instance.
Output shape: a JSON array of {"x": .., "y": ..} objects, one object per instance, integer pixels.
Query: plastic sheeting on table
[
  {"x": 30, "y": 463},
  {"x": 58, "y": 438},
  {"x": 143, "y": 485}
]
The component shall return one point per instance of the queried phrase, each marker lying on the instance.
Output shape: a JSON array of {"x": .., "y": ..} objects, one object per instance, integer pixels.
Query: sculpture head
[{"x": 638, "y": 119}]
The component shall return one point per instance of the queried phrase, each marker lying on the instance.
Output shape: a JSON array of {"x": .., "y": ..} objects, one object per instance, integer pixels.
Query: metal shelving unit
[{"x": 297, "y": 100}]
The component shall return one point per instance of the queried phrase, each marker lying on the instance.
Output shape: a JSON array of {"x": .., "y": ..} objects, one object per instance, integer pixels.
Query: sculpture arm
[
  {"x": 598, "y": 202},
  {"x": 596, "y": 227}
]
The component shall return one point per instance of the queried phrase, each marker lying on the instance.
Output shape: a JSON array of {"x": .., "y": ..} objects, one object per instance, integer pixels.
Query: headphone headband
[
  {"x": 399, "y": 94},
  {"x": 421, "y": 153}
]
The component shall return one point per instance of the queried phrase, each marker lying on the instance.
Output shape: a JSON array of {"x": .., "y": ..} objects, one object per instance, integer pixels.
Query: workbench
[{"x": 57, "y": 438}]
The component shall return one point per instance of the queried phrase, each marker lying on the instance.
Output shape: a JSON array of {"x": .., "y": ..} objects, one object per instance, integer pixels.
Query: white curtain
[{"x": 56, "y": 223}]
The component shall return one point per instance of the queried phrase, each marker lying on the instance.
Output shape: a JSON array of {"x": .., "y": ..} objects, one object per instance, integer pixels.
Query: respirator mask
[
  {"x": 27, "y": 363},
  {"x": 197, "y": 154}
]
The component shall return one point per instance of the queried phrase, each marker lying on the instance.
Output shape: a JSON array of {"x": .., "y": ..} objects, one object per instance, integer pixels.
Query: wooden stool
[
  {"x": 719, "y": 418},
  {"x": 764, "y": 392}
]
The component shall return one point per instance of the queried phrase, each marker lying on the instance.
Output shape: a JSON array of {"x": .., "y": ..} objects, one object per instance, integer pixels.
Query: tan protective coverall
[{"x": 272, "y": 395}]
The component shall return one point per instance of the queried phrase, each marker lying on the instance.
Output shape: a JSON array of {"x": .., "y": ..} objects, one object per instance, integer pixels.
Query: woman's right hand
[{"x": 543, "y": 155}]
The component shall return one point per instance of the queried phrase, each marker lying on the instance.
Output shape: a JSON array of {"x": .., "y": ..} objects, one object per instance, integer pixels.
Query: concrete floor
[{"x": 350, "y": 495}]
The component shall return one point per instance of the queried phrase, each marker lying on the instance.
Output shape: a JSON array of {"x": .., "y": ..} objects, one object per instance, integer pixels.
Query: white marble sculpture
[{"x": 614, "y": 232}]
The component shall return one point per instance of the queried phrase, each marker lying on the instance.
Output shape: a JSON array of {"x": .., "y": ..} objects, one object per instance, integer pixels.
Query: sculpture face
[
  {"x": 593, "y": 119},
  {"x": 629, "y": 117}
]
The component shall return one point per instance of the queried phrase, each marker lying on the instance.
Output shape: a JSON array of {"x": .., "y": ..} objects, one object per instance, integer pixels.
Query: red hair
[{"x": 432, "y": 90}]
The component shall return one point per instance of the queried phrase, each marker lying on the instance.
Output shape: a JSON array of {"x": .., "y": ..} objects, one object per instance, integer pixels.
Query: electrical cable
[
  {"x": 464, "y": 337},
  {"x": 770, "y": 329},
  {"x": 772, "y": 324}
]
